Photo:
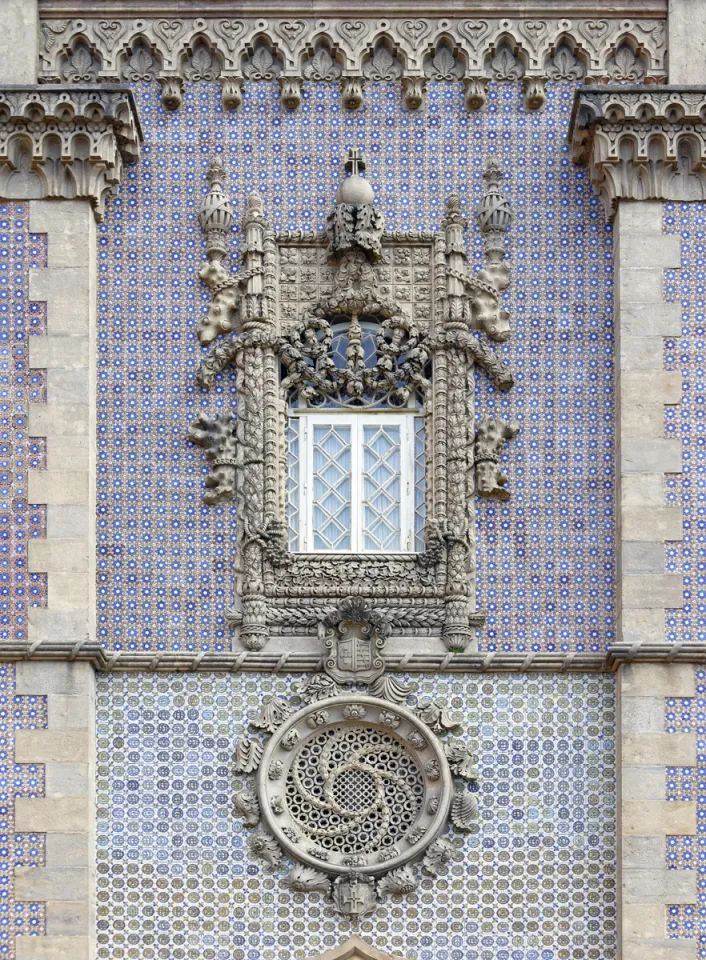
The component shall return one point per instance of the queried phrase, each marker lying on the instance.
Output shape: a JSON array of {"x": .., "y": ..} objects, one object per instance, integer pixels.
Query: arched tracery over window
[{"x": 355, "y": 455}]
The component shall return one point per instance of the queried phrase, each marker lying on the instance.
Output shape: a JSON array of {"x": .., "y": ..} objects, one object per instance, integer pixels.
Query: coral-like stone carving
[
  {"x": 280, "y": 335},
  {"x": 492, "y": 435}
]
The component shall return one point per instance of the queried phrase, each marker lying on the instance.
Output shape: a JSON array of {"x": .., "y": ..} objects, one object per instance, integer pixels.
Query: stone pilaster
[
  {"x": 645, "y": 818},
  {"x": 19, "y": 62},
  {"x": 643, "y": 455},
  {"x": 66, "y": 814},
  {"x": 67, "y": 420}
]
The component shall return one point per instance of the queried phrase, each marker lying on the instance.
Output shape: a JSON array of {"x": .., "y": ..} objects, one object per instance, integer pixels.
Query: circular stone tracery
[{"x": 354, "y": 781}]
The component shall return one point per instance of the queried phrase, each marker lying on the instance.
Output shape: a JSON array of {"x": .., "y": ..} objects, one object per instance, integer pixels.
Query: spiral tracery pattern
[{"x": 354, "y": 789}]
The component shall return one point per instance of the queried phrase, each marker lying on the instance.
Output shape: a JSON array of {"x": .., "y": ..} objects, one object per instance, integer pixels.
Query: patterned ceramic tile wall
[
  {"x": 19, "y": 319},
  {"x": 689, "y": 853},
  {"x": 687, "y": 422},
  {"x": 165, "y": 559},
  {"x": 17, "y": 780},
  {"x": 176, "y": 879}
]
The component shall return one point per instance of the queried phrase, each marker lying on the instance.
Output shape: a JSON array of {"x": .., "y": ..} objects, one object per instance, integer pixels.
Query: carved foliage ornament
[
  {"x": 414, "y": 322},
  {"x": 355, "y": 790}
]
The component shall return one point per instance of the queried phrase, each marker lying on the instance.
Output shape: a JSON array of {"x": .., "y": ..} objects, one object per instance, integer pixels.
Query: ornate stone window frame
[{"x": 279, "y": 344}]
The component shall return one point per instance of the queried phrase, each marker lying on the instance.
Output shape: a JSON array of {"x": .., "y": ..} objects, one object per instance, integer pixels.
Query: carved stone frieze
[
  {"x": 353, "y": 320},
  {"x": 66, "y": 142},
  {"x": 354, "y": 50},
  {"x": 641, "y": 142}
]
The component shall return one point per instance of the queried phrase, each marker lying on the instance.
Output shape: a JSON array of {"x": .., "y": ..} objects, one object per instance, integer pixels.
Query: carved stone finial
[
  {"x": 354, "y": 226},
  {"x": 216, "y": 213},
  {"x": 475, "y": 92},
  {"x": 413, "y": 90}
]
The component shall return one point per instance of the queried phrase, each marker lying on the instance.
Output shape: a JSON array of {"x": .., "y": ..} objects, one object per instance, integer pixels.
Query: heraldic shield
[{"x": 353, "y": 637}]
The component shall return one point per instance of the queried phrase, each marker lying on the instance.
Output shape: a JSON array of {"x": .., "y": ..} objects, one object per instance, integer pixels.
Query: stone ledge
[{"x": 39, "y": 884}]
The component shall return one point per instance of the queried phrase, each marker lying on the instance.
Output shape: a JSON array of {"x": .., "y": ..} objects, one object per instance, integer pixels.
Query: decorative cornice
[
  {"x": 359, "y": 8},
  {"x": 641, "y": 142},
  {"x": 66, "y": 142},
  {"x": 256, "y": 661},
  {"x": 352, "y": 52}
]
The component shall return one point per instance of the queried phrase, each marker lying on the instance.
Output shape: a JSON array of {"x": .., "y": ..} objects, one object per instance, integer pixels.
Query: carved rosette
[
  {"x": 356, "y": 790},
  {"x": 355, "y": 783}
]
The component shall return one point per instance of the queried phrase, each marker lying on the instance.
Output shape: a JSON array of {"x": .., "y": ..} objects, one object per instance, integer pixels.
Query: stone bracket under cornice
[
  {"x": 641, "y": 142},
  {"x": 66, "y": 141}
]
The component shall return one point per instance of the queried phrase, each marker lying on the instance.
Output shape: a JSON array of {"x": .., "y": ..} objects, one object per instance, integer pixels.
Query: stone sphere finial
[{"x": 355, "y": 189}]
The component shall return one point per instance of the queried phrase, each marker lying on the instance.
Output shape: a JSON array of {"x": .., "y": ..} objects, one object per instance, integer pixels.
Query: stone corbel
[
  {"x": 172, "y": 91},
  {"x": 43, "y": 133},
  {"x": 231, "y": 91},
  {"x": 534, "y": 91},
  {"x": 352, "y": 92},
  {"x": 641, "y": 142},
  {"x": 475, "y": 92},
  {"x": 413, "y": 92},
  {"x": 290, "y": 91}
]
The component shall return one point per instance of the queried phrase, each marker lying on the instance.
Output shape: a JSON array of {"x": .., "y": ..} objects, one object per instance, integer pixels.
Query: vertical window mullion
[
  {"x": 406, "y": 479},
  {"x": 309, "y": 492}
]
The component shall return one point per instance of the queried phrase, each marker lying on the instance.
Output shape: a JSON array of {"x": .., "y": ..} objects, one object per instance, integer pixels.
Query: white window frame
[{"x": 405, "y": 421}]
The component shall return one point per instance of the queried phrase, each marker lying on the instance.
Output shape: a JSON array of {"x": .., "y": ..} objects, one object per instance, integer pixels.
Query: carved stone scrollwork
[
  {"x": 641, "y": 143},
  {"x": 66, "y": 142},
  {"x": 278, "y": 321}
]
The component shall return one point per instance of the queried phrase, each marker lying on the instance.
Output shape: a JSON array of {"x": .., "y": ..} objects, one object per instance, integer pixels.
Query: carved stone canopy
[
  {"x": 641, "y": 142},
  {"x": 66, "y": 142}
]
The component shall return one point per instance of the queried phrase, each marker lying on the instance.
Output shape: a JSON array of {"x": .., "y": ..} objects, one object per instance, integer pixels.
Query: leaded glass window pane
[
  {"x": 331, "y": 513},
  {"x": 382, "y": 488},
  {"x": 292, "y": 488},
  {"x": 420, "y": 490}
]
